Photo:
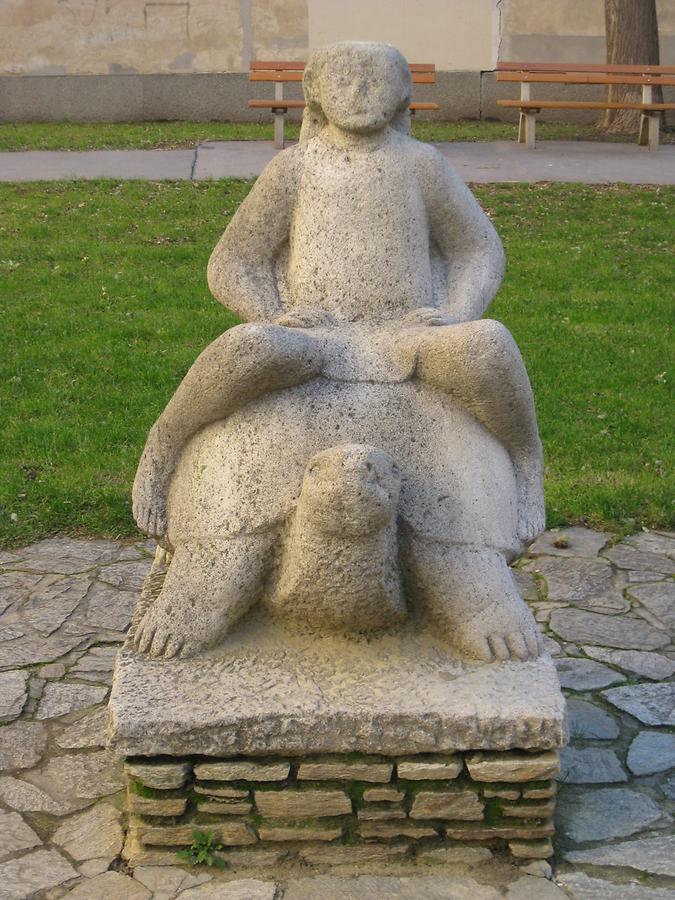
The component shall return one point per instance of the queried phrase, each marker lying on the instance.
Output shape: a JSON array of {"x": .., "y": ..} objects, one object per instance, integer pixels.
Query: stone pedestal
[{"x": 335, "y": 750}]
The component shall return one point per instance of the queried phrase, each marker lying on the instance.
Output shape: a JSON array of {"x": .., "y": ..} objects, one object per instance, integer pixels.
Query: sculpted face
[
  {"x": 363, "y": 86},
  {"x": 351, "y": 489}
]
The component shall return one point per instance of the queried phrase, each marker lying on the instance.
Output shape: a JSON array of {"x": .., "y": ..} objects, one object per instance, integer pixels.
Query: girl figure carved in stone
[{"x": 363, "y": 265}]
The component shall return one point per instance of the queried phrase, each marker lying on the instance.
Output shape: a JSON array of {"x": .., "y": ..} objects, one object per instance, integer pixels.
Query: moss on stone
[
  {"x": 450, "y": 785},
  {"x": 355, "y": 790},
  {"x": 492, "y": 814},
  {"x": 351, "y": 835},
  {"x": 137, "y": 787}
]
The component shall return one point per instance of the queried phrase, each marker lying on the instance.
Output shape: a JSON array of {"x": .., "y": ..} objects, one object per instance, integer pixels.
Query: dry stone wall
[{"x": 327, "y": 809}]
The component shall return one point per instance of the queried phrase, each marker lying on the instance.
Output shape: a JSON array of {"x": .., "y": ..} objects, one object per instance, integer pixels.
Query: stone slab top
[{"x": 272, "y": 691}]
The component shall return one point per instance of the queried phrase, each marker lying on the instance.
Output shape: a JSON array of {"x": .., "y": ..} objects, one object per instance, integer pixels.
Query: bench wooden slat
[
  {"x": 582, "y": 104},
  {"x": 282, "y": 70},
  {"x": 285, "y": 75},
  {"x": 584, "y": 78},
  {"x": 299, "y": 65},
  {"x": 276, "y": 104},
  {"x": 629, "y": 69},
  {"x": 275, "y": 75},
  {"x": 274, "y": 64}
]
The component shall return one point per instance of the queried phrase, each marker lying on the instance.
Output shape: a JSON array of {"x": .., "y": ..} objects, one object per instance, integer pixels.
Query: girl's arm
[
  {"x": 465, "y": 236},
  {"x": 241, "y": 268}
]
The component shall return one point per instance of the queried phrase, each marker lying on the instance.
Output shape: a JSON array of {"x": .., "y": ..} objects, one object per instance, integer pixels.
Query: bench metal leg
[
  {"x": 530, "y": 126},
  {"x": 649, "y": 130},
  {"x": 521, "y": 128},
  {"x": 654, "y": 125},
  {"x": 279, "y": 130}
]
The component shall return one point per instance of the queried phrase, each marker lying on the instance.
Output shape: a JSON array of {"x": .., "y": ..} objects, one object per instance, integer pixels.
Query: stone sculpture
[
  {"x": 365, "y": 449},
  {"x": 337, "y": 487}
]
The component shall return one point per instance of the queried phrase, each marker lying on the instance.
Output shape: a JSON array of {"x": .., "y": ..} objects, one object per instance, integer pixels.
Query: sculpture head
[
  {"x": 359, "y": 87},
  {"x": 352, "y": 490}
]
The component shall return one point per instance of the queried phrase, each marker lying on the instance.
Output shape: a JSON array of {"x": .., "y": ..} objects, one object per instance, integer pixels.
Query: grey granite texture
[
  {"x": 640, "y": 662},
  {"x": 654, "y": 855},
  {"x": 585, "y": 720},
  {"x": 582, "y": 887},
  {"x": 590, "y": 765},
  {"x": 13, "y": 694},
  {"x": 585, "y": 674},
  {"x": 585, "y": 815},
  {"x": 607, "y": 630},
  {"x": 650, "y": 752},
  {"x": 95, "y": 833},
  {"x": 653, "y": 704},
  {"x": 15, "y": 835},
  {"x": 35, "y": 871}
]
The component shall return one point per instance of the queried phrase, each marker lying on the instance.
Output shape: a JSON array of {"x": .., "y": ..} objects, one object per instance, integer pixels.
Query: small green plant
[{"x": 203, "y": 850}]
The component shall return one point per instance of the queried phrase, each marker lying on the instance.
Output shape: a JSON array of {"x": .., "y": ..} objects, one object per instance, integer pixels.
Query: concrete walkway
[
  {"x": 607, "y": 611},
  {"x": 499, "y": 161}
]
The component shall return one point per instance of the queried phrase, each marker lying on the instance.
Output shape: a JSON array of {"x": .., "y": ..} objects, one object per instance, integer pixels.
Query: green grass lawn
[
  {"x": 147, "y": 135},
  {"x": 104, "y": 306}
]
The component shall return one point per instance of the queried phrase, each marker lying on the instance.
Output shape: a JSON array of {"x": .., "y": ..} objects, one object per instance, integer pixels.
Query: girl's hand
[
  {"x": 306, "y": 317},
  {"x": 427, "y": 317}
]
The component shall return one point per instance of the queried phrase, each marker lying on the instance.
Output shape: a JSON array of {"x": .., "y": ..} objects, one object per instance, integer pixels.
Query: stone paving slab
[
  {"x": 232, "y": 159},
  {"x": 67, "y": 165},
  {"x": 589, "y": 162},
  {"x": 61, "y": 824}
]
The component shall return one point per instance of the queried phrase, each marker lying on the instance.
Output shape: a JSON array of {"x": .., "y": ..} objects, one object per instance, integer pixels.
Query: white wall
[{"x": 453, "y": 34}]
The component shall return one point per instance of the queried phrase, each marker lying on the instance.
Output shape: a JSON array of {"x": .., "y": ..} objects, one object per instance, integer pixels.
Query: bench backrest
[
  {"x": 282, "y": 70},
  {"x": 584, "y": 73}
]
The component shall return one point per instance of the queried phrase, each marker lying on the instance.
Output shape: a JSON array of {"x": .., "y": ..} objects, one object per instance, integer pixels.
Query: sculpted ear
[
  {"x": 313, "y": 118},
  {"x": 401, "y": 121},
  {"x": 404, "y": 77}
]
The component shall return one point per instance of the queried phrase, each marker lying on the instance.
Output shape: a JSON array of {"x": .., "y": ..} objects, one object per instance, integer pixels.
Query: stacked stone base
[{"x": 343, "y": 809}]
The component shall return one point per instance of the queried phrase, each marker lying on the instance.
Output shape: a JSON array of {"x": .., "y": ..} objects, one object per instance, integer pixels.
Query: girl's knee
[
  {"x": 489, "y": 334},
  {"x": 491, "y": 344},
  {"x": 257, "y": 344}
]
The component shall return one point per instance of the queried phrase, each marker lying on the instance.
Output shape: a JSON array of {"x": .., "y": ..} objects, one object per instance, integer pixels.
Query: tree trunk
[{"x": 632, "y": 38}]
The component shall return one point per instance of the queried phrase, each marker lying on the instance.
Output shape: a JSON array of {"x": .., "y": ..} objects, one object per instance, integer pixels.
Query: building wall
[
  {"x": 569, "y": 30},
  {"x": 122, "y": 37},
  {"x": 454, "y": 34},
  {"x": 119, "y": 60}
]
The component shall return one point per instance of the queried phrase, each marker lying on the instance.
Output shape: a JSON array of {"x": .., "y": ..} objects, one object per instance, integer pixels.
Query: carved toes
[
  {"x": 144, "y": 637},
  {"x": 499, "y": 647},
  {"x": 518, "y": 644},
  {"x": 150, "y": 519},
  {"x": 173, "y": 648}
]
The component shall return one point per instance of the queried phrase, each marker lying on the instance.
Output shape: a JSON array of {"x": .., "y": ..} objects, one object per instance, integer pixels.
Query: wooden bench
[
  {"x": 530, "y": 73},
  {"x": 279, "y": 72}
]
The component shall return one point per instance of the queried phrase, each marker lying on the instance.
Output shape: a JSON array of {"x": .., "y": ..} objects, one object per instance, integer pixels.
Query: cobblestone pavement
[{"x": 608, "y": 612}]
